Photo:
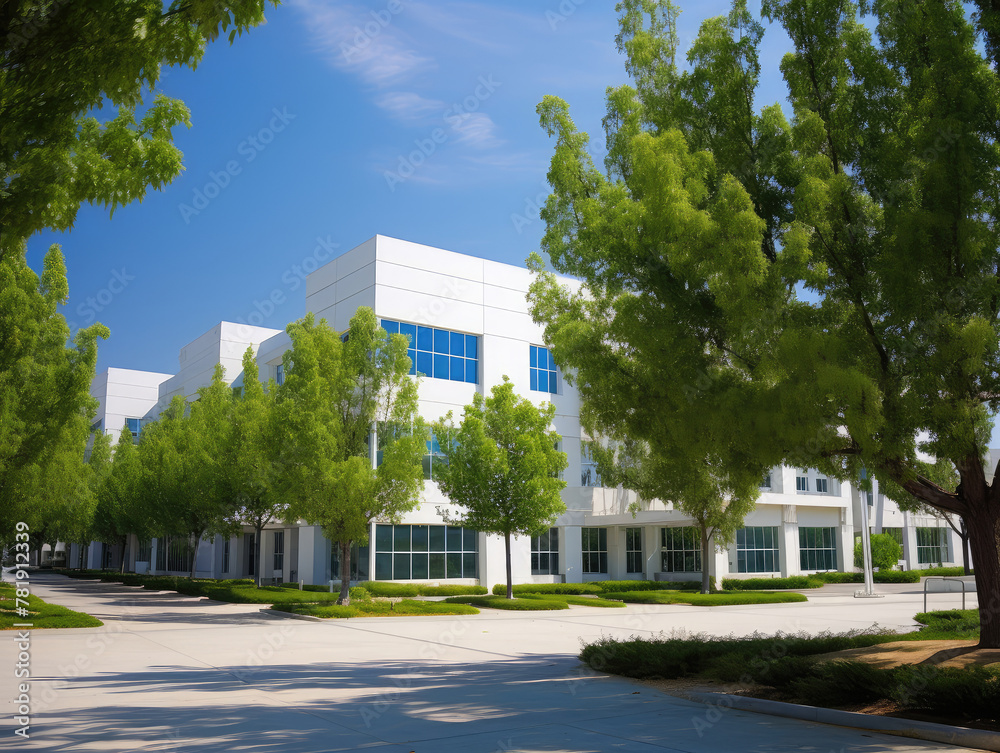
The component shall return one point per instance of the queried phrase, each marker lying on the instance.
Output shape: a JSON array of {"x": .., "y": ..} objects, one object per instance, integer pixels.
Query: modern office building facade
[{"x": 468, "y": 323}]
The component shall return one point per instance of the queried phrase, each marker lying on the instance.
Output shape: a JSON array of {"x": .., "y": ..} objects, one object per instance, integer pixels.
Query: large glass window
[
  {"x": 757, "y": 550},
  {"x": 818, "y": 548},
  {"x": 178, "y": 554},
  {"x": 801, "y": 481},
  {"x": 544, "y": 375},
  {"x": 416, "y": 552},
  {"x": 359, "y": 561},
  {"x": 134, "y": 426},
  {"x": 225, "y": 555},
  {"x": 433, "y": 459},
  {"x": 932, "y": 546},
  {"x": 595, "y": 550},
  {"x": 680, "y": 550},
  {"x": 439, "y": 353},
  {"x": 545, "y": 553},
  {"x": 633, "y": 550},
  {"x": 279, "y": 374}
]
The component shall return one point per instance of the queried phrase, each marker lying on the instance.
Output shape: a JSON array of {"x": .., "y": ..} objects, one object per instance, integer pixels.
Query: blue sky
[{"x": 331, "y": 123}]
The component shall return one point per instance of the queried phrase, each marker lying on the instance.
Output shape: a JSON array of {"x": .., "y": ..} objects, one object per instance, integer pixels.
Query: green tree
[
  {"x": 692, "y": 471},
  {"x": 252, "y": 455},
  {"x": 183, "y": 466},
  {"x": 64, "y": 62},
  {"x": 336, "y": 391},
  {"x": 120, "y": 509},
  {"x": 502, "y": 466},
  {"x": 45, "y": 404},
  {"x": 867, "y": 332},
  {"x": 886, "y": 552}
]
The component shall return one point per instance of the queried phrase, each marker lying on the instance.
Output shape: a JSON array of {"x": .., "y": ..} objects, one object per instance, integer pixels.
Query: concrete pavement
[{"x": 174, "y": 673}]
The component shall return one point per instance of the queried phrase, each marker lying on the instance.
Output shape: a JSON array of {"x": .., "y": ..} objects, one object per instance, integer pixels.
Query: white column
[
  {"x": 573, "y": 559},
  {"x": 910, "y": 542},
  {"x": 788, "y": 542},
  {"x": 651, "y": 548},
  {"x": 314, "y": 560}
]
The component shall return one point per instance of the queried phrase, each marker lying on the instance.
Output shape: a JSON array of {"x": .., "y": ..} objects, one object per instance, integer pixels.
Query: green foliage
[
  {"x": 451, "y": 590},
  {"x": 953, "y": 624},
  {"x": 720, "y": 599},
  {"x": 971, "y": 692},
  {"x": 671, "y": 657},
  {"x": 65, "y": 63},
  {"x": 818, "y": 292},
  {"x": 951, "y": 572},
  {"x": 45, "y": 404},
  {"x": 882, "y": 576},
  {"x": 500, "y": 589},
  {"x": 41, "y": 613},
  {"x": 886, "y": 552},
  {"x": 361, "y": 608},
  {"x": 360, "y": 594},
  {"x": 580, "y": 601},
  {"x": 844, "y": 682},
  {"x": 502, "y": 465},
  {"x": 384, "y": 588},
  {"x": 652, "y": 585},
  {"x": 335, "y": 392},
  {"x": 769, "y": 584},
  {"x": 515, "y": 604}
]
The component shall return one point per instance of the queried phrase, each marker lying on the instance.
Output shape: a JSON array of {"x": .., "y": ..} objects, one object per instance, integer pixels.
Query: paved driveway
[{"x": 171, "y": 673}]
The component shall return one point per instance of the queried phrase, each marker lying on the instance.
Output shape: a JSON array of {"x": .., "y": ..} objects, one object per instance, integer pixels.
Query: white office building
[{"x": 469, "y": 326}]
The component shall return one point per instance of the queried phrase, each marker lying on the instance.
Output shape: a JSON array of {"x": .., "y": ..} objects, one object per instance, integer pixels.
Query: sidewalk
[{"x": 177, "y": 673}]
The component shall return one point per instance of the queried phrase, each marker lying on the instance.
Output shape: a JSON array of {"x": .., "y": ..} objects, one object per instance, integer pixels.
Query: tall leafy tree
[
  {"x": 502, "y": 466},
  {"x": 45, "y": 404},
  {"x": 336, "y": 391},
  {"x": 183, "y": 467},
  {"x": 121, "y": 508},
  {"x": 868, "y": 330},
  {"x": 252, "y": 455}
]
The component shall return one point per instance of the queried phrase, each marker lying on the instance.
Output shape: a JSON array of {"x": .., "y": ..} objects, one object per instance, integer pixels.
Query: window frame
[{"x": 594, "y": 548}]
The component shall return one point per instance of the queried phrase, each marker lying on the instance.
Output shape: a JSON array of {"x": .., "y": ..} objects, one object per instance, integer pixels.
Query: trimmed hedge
[
  {"x": 390, "y": 589},
  {"x": 580, "y": 601},
  {"x": 721, "y": 599},
  {"x": 770, "y": 584},
  {"x": 500, "y": 589},
  {"x": 369, "y": 608},
  {"x": 653, "y": 585}
]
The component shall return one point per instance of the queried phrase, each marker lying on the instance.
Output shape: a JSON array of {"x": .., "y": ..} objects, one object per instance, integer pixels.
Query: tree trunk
[
  {"x": 194, "y": 555},
  {"x": 510, "y": 582},
  {"x": 258, "y": 534},
  {"x": 706, "y": 545},
  {"x": 984, "y": 535},
  {"x": 124, "y": 549},
  {"x": 345, "y": 573},
  {"x": 966, "y": 562}
]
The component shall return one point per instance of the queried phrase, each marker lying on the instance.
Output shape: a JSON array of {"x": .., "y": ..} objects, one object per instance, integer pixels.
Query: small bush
[
  {"x": 770, "y": 584},
  {"x": 653, "y": 585},
  {"x": 580, "y": 601},
  {"x": 248, "y": 582},
  {"x": 359, "y": 593},
  {"x": 500, "y": 589},
  {"x": 404, "y": 608},
  {"x": 895, "y": 576},
  {"x": 886, "y": 552},
  {"x": 502, "y": 602},
  {"x": 780, "y": 673},
  {"x": 952, "y": 624},
  {"x": 971, "y": 692},
  {"x": 949, "y": 572}
]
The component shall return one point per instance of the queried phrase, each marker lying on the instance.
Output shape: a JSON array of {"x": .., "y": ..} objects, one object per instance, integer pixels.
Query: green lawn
[
  {"x": 41, "y": 614},
  {"x": 515, "y": 604}
]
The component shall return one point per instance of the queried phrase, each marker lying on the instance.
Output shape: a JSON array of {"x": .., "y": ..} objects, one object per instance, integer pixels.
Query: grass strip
[
  {"x": 515, "y": 604},
  {"x": 580, "y": 601},
  {"x": 41, "y": 614},
  {"x": 404, "y": 608}
]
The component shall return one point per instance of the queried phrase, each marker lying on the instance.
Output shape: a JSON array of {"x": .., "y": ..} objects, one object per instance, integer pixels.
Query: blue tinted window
[
  {"x": 543, "y": 374},
  {"x": 440, "y": 353}
]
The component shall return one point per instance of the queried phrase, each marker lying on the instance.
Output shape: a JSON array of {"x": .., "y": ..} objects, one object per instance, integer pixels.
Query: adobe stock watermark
[
  {"x": 93, "y": 305},
  {"x": 566, "y": 9},
  {"x": 248, "y": 149},
  {"x": 532, "y": 209},
  {"x": 456, "y": 117},
  {"x": 292, "y": 279},
  {"x": 363, "y": 35}
]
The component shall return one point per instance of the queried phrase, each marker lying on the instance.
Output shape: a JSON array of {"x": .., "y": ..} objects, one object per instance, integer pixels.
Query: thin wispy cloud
[
  {"x": 410, "y": 107},
  {"x": 352, "y": 39},
  {"x": 476, "y": 129}
]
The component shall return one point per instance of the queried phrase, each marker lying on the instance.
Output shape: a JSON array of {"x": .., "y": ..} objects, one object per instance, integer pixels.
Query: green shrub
[
  {"x": 970, "y": 692},
  {"x": 886, "y": 552},
  {"x": 248, "y": 582},
  {"x": 949, "y": 572},
  {"x": 359, "y": 593},
  {"x": 502, "y": 602},
  {"x": 653, "y": 585},
  {"x": 720, "y": 599},
  {"x": 782, "y": 672},
  {"x": 385, "y": 588},
  {"x": 844, "y": 682},
  {"x": 404, "y": 608},
  {"x": 451, "y": 590},
  {"x": 952, "y": 624},
  {"x": 500, "y": 589},
  {"x": 896, "y": 576},
  {"x": 580, "y": 601},
  {"x": 839, "y": 577},
  {"x": 770, "y": 584}
]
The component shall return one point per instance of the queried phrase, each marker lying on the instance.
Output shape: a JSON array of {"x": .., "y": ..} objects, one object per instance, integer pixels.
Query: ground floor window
[
  {"x": 932, "y": 545},
  {"x": 106, "y": 556},
  {"x": 225, "y": 555},
  {"x": 545, "y": 553},
  {"x": 279, "y": 551},
  {"x": 634, "y": 562},
  {"x": 757, "y": 550},
  {"x": 896, "y": 533},
  {"x": 144, "y": 551},
  {"x": 595, "y": 549},
  {"x": 425, "y": 552},
  {"x": 818, "y": 548},
  {"x": 173, "y": 553},
  {"x": 251, "y": 553},
  {"x": 359, "y": 561},
  {"x": 680, "y": 550}
]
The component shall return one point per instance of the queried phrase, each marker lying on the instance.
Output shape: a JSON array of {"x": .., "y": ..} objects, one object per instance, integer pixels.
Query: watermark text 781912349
[{"x": 22, "y": 634}]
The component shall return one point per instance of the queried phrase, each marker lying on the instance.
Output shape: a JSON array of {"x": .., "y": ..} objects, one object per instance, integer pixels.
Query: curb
[
  {"x": 292, "y": 615},
  {"x": 939, "y": 733}
]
